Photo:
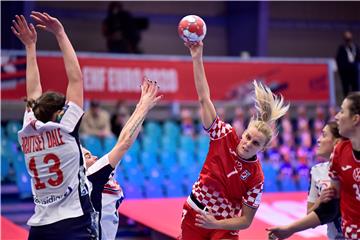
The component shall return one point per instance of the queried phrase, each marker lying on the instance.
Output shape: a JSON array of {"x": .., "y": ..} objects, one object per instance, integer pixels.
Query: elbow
[
  {"x": 247, "y": 224},
  {"x": 243, "y": 225},
  {"x": 204, "y": 98}
]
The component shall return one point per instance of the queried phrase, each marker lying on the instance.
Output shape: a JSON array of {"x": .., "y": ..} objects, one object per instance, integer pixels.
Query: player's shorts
[
  {"x": 79, "y": 228},
  {"x": 191, "y": 232}
]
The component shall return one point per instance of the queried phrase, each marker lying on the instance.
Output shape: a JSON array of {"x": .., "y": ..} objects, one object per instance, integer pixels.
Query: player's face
[
  {"x": 344, "y": 119},
  {"x": 325, "y": 143},
  {"x": 89, "y": 158},
  {"x": 252, "y": 141}
]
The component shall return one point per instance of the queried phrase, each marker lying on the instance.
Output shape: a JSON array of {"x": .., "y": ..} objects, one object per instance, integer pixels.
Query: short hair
[{"x": 354, "y": 97}]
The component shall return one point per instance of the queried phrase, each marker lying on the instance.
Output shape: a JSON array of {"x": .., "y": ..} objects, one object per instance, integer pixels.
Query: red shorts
[{"x": 191, "y": 232}]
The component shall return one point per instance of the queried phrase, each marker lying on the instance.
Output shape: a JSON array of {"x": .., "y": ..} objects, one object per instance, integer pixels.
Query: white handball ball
[{"x": 192, "y": 28}]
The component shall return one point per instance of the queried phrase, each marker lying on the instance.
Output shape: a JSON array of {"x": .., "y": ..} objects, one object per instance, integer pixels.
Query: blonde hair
[{"x": 270, "y": 107}]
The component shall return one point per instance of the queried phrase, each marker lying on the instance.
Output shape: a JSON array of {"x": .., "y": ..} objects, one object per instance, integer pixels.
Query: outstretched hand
[
  {"x": 48, "y": 23},
  {"x": 196, "y": 49},
  {"x": 24, "y": 31},
  {"x": 149, "y": 91},
  {"x": 278, "y": 233}
]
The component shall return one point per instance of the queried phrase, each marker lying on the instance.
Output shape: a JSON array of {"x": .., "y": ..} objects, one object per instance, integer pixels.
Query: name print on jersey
[{"x": 36, "y": 143}]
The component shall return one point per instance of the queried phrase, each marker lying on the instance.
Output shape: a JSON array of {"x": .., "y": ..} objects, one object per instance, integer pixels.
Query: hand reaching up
[
  {"x": 149, "y": 91},
  {"x": 48, "y": 23},
  {"x": 24, "y": 31}
]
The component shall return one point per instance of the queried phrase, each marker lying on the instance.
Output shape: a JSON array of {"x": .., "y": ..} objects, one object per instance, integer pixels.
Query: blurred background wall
[{"x": 273, "y": 29}]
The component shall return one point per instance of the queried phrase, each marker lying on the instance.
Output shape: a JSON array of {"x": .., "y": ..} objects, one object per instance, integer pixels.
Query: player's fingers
[
  {"x": 23, "y": 21},
  {"x": 48, "y": 16},
  {"x": 19, "y": 22},
  {"x": 16, "y": 25},
  {"x": 146, "y": 83},
  {"x": 153, "y": 88},
  {"x": 14, "y": 31},
  {"x": 39, "y": 16},
  {"x": 42, "y": 27},
  {"x": 37, "y": 19},
  {"x": 157, "y": 99},
  {"x": 198, "y": 220},
  {"x": 32, "y": 28}
]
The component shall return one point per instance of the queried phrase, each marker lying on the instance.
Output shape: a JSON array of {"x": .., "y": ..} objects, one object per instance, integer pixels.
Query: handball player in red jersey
[{"x": 228, "y": 191}]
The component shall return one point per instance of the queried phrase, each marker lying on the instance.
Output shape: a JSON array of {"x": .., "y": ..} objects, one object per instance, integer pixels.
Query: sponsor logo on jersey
[
  {"x": 356, "y": 174},
  {"x": 51, "y": 198},
  {"x": 346, "y": 167}
]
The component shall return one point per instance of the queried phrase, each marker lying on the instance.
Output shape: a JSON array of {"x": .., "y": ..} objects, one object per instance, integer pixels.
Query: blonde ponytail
[{"x": 270, "y": 108}]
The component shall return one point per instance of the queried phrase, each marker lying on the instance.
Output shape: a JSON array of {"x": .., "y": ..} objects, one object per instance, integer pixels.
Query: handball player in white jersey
[
  {"x": 228, "y": 191},
  {"x": 50, "y": 142},
  {"x": 106, "y": 194},
  {"x": 319, "y": 176}
]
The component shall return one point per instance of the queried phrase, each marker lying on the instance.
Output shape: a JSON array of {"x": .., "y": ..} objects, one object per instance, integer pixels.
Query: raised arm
[
  {"x": 28, "y": 36},
  {"x": 132, "y": 127},
  {"x": 75, "y": 89},
  {"x": 208, "y": 112}
]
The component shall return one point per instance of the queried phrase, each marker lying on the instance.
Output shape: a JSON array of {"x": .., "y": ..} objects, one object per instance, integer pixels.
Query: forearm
[
  {"x": 236, "y": 223},
  {"x": 201, "y": 85},
  {"x": 309, "y": 221},
  {"x": 33, "y": 84},
  {"x": 71, "y": 62},
  {"x": 208, "y": 112},
  {"x": 128, "y": 134},
  {"x": 133, "y": 126}
]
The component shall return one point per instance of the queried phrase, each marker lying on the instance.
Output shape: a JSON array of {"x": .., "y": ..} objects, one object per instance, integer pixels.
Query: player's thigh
[{"x": 188, "y": 229}]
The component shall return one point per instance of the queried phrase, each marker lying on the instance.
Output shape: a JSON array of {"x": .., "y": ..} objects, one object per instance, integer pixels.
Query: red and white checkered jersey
[
  {"x": 345, "y": 168},
  {"x": 226, "y": 181},
  {"x": 55, "y": 164}
]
